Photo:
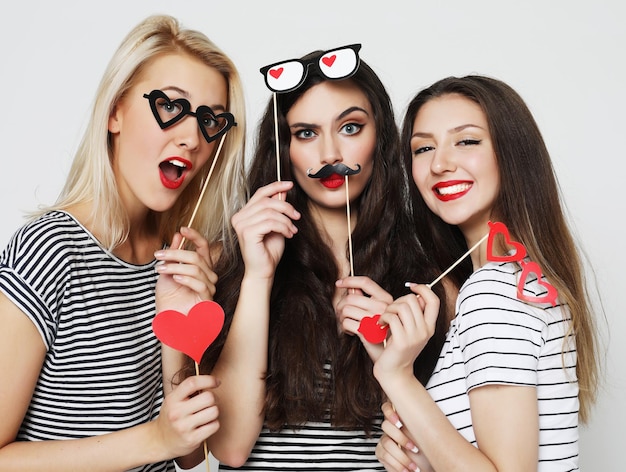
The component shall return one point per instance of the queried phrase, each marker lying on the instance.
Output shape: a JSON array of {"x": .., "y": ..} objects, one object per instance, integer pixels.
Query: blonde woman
[{"x": 81, "y": 370}]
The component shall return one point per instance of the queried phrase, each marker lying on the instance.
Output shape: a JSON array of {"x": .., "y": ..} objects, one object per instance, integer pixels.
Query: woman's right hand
[
  {"x": 395, "y": 450},
  {"x": 262, "y": 226},
  {"x": 188, "y": 415}
]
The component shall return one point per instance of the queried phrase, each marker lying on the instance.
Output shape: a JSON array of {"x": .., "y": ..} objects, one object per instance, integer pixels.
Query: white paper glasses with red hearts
[{"x": 334, "y": 64}]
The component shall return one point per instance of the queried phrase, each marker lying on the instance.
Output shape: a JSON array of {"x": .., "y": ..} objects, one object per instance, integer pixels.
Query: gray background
[{"x": 566, "y": 59}]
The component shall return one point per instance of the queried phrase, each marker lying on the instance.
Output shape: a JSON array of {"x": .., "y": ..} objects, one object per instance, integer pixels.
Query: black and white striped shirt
[
  {"x": 313, "y": 447},
  {"x": 497, "y": 338},
  {"x": 102, "y": 370}
]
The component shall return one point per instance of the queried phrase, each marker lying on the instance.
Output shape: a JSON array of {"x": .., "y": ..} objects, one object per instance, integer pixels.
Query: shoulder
[
  {"x": 46, "y": 226},
  {"x": 492, "y": 284},
  {"x": 490, "y": 296},
  {"x": 44, "y": 250}
]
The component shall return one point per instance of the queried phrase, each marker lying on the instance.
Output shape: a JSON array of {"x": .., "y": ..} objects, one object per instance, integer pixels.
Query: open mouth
[{"x": 173, "y": 172}]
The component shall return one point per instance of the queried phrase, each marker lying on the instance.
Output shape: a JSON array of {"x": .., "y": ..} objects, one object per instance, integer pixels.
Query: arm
[
  {"x": 22, "y": 353},
  {"x": 261, "y": 226},
  {"x": 507, "y": 437},
  {"x": 185, "y": 278}
]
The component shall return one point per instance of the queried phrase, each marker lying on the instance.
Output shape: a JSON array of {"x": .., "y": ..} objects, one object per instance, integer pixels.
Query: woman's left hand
[
  {"x": 363, "y": 297},
  {"x": 412, "y": 320},
  {"x": 185, "y": 276}
]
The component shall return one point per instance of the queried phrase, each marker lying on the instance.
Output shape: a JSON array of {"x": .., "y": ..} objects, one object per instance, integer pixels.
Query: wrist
[
  {"x": 392, "y": 379},
  {"x": 258, "y": 280}
]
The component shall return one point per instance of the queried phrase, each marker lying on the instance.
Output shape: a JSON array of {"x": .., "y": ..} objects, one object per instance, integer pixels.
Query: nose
[
  {"x": 330, "y": 152},
  {"x": 443, "y": 161},
  {"x": 187, "y": 133}
]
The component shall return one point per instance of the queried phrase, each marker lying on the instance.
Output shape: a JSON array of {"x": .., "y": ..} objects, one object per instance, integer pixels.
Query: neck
[
  {"x": 142, "y": 240},
  {"x": 333, "y": 224}
]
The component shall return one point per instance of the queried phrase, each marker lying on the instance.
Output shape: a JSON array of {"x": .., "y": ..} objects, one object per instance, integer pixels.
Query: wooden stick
[
  {"x": 276, "y": 137},
  {"x": 349, "y": 227},
  {"x": 204, "y": 187},
  {"x": 206, "y": 449},
  {"x": 458, "y": 261}
]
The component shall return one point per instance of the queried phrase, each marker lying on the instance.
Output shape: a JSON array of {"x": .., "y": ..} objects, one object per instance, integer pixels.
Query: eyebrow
[
  {"x": 184, "y": 93},
  {"x": 341, "y": 115},
  {"x": 456, "y": 129}
]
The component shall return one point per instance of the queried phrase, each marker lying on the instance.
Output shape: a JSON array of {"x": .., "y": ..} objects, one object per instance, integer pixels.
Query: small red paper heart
[
  {"x": 192, "y": 333},
  {"x": 371, "y": 330},
  {"x": 329, "y": 60},
  {"x": 500, "y": 228},
  {"x": 276, "y": 73},
  {"x": 533, "y": 268}
]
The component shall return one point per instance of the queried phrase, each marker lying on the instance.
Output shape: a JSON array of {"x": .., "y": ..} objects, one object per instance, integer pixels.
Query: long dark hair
[
  {"x": 303, "y": 330},
  {"x": 528, "y": 203}
]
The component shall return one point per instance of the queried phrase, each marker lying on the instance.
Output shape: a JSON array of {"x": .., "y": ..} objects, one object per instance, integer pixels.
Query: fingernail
[
  {"x": 414, "y": 467},
  {"x": 159, "y": 253},
  {"x": 398, "y": 424},
  {"x": 409, "y": 284},
  {"x": 160, "y": 266},
  {"x": 412, "y": 447}
]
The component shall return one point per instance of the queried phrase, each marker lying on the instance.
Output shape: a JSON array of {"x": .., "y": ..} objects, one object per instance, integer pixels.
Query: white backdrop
[{"x": 565, "y": 57}]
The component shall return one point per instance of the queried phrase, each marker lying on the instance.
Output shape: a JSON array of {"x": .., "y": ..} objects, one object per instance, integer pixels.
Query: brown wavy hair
[
  {"x": 528, "y": 203},
  {"x": 303, "y": 326}
]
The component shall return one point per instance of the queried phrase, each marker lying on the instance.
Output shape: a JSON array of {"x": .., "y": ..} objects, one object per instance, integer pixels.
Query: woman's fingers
[{"x": 367, "y": 286}]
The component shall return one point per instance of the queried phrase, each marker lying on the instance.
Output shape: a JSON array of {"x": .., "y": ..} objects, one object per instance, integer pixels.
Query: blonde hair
[{"x": 91, "y": 177}]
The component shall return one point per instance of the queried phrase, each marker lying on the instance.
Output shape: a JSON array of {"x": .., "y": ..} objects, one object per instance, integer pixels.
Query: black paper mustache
[{"x": 330, "y": 169}]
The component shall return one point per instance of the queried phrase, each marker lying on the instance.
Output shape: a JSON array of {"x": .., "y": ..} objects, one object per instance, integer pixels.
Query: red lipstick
[
  {"x": 173, "y": 171},
  {"x": 451, "y": 189},
  {"x": 333, "y": 181}
]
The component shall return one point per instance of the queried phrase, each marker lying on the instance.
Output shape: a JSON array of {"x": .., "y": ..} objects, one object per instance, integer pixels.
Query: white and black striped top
[
  {"x": 313, "y": 447},
  {"x": 102, "y": 370},
  {"x": 496, "y": 338}
]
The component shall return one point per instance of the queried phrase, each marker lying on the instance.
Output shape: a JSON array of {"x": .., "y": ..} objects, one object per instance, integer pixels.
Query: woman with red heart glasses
[
  {"x": 519, "y": 368},
  {"x": 296, "y": 384},
  {"x": 82, "y": 383}
]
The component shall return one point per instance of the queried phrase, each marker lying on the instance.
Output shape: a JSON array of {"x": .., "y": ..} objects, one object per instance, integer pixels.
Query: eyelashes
[{"x": 461, "y": 143}]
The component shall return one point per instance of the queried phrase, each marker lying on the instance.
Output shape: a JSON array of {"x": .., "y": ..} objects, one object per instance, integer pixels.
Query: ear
[{"x": 115, "y": 121}]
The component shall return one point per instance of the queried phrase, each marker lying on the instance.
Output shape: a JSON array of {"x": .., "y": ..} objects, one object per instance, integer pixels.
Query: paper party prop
[
  {"x": 371, "y": 330},
  {"x": 500, "y": 228},
  {"x": 168, "y": 112},
  {"x": 334, "y": 64},
  {"x": 529, "y": 268},
  {"x": 286, "y": 76},
  {"x": 516, "y": 255},
  {"x": 193, "y": 333}
]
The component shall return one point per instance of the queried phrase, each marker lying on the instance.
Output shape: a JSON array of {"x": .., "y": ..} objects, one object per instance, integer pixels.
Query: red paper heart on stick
[
  {"x": 500, "y": 228},
  {"x": 192, "y": 333},
  {"x": 276, "y": 73},
  {"x": 329, "y": 60},
  {"x": 371, "y": 330},
  {"x": 533, "y": 268}
]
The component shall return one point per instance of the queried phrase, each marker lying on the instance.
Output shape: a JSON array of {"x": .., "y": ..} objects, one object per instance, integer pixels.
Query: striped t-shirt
[
  {"x": 102, "y": 370},
  {"x": 497, "y": 338},
  {"x": 314, "y": 447}
]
